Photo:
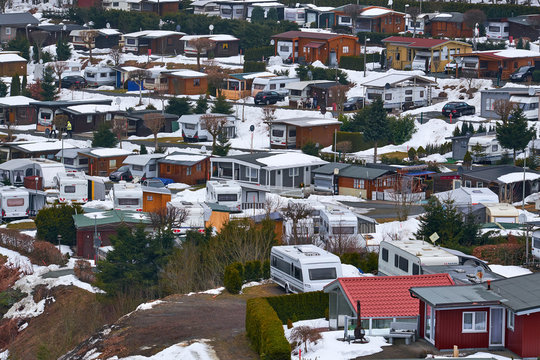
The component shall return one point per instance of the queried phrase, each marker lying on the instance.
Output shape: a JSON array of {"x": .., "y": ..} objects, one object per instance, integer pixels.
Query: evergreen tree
[
  {"x": 202, "y": 105},
  {"x": 24, "y": 87},
  {"x": 456, "y": 132},
  {"x": 104, "y": 137},
  {"x": 411, "y": 153},
  {"x": 470, "y": 234},
  {"x": 3, "y": 89},
  {"x": 222, "y": 146},
  {"x": 519, "y": 44},
  {"x": 442, "y": 218},
  {"x": 179, "y": 106},
  {"x": 63, "y": 51},
  {"x": 377, "y": 125},
  {"x": 527, "y": 46},
  {"x": 272, "y": 14},
  {"x": 481, "y": 129},
  {"x": 15, "y": 88},
  {"x": 221, "y": 106},
  {"x": 48, "y": 88},
  {"x": 257, "y": 15},
  {"x": 20, "y": 44},
  {"x": 467, "y": 159},
  {"x": 143, "y": 150},
  {"x": 515, "y": 134}
]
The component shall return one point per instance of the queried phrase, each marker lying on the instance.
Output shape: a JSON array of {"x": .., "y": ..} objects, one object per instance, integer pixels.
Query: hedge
[
  {"x": 265, "y": 331},
  {"x": 357, "y": 62},
  {"x": 536, "y": 75},
  {"x": 304, "y": 306},
  {"x": 254, "y": 66},
  {"x": 258, "y": 53},
  {"x": 357, "y": 140}
]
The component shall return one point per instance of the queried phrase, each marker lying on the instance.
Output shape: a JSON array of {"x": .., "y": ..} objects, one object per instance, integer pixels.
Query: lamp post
[
  {"x": 365, "y": 54},
  {"x": 59, "y": 237}
]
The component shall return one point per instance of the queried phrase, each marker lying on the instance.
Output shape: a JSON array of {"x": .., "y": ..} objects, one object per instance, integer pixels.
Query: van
[
  {"x": 303, "y": 268},
  {"x": 127, "y": 196},
  {"x": 72, "y": 187},
  {"x": 227, "y": 193},
  {"x": 406, "y": 257},
  {"x": 276, "y": 84},
  {"x": 14, "y": 202}
]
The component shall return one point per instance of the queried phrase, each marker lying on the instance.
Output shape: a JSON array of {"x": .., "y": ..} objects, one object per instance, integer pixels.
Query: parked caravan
[
  {"x": 99, "y": 75},
  {"x": 143, "y": 166},
  {"x": 227, "y": 193},
  {"x": 340, "y": 223},
  {"x": 536, "y": 244},
  {"x": 14, "y": 171},
  {"x": 127, "y": 196},
  {"x": 408, "y": 256},
  {"x": 96, "y": 188},
  {"x": 303, "y": 268},
  {"x": 72, "y": 187},
  {"x": 195, "y": 220},
  {"x": 422, "y": 61},
  {"x": 194, "y": 129},
  {"x": 276, "y": 84},
  {"x": 280, "y": 137},
  {"x": 307, "y": 229},
  {"x": 497, "y": 30},
  {"x": 14, "y": 202}
]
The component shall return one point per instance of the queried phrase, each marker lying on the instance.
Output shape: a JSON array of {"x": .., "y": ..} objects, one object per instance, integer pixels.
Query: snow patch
[
  {"x": 509, "y": 271},
  {"x": 195, "y": 351},
  {"x": 149, "y": 305}
]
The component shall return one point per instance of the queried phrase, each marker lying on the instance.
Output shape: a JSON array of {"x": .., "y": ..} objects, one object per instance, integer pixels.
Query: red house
[{"x": 493, "y": 315}]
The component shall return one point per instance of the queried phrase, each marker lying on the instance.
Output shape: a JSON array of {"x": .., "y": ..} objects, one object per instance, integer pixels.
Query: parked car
[
  {"x": 155, "y": 183},
  {"x": 458, "y": 108},
  {"x": 353, "y": 103},
  {"x": 73, "y": 81},
  {"x": 524, "y": 73},
  {"x": 122, "y": 173},
  {"x": 450, "y": 68},
  {"x": 268, "y": 97}
]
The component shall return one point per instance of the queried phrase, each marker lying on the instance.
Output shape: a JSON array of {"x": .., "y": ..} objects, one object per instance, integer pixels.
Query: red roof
[
  {"x": 415, "y": 42},
  {"x": 388, "y": 296}
]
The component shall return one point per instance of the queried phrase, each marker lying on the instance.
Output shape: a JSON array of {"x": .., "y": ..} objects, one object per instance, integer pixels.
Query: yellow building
[{"x": 429, "y": 55}]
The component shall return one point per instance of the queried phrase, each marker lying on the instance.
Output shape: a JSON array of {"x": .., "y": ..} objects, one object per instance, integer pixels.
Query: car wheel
[{"x": 267, "y": 102}]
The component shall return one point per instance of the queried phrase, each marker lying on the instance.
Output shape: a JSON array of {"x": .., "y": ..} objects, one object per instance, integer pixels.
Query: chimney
[{"x": 489, "y": 284}]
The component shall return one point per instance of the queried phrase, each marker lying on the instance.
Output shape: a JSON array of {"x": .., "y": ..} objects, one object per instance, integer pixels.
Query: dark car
[
  {"x": 353, "y": 103},
  {"x": 73, "y": 81},
  {"x": 524, "y": 73},
  {"x": 268, "y": 97},
  {"x": 122, "y": 173},
  {"x": 458, "y": 108}
]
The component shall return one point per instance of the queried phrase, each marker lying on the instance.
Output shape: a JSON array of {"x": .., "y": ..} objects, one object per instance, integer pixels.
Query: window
[
  {"x": 385, "y": 254},
  {"x": 108, "y": 116},
  {"x": 278, "y": 133},
  {"x": 494, "y": 29},
  {"x": 8, "y": 30},
  {"x": 467, "y": 183},
  {"x": 475, "y": 321},
  {"x": 415, "y": 269},
  {"x": 149, "y": 198},
  {"x": 83, "y": 161},
  {"x": 197, "y": 168},
  {"x": 408, "y": 92},
  {"x": 115, "y": 4},
  {"x": 137, "y": 167},
  {"x": 152, "y": 167},
  {"x": 536, "y": 243},
  {"x": 225, "y": 11},
  {"x": 196, "y": 82},
  {"x": 292, "y": 133},
  {"x": 358, "y": 183},
  {"x": 189, "y": 126},
  {"x": 90, "y": 75},
  {"x": 281, "y": 265},
  {"x": 227, "y": 197},
  {"x": 403, "y": 264},
  {"x": 511, "y": 319},
  {"x": 89, "y": 118},
  {"x": 251, "y": 173},
  {"x": 130, "y": 41},
  {"x": 272, "y": 86},
  {"x": 239, "y": 11},
  {"x": 387, "y": 96},
  {"x": 69, "y": 189},
  {"x": 188, "y": 170},
  {"x": 68, "y": 161},
  {"x": 345, "y": 49},
  {"x": 112, "y": 163},
  {"x": 322, "y": 274},
  {"x": 345, "y": 19},
  {"x": 128, "y": 201},
  {"x": 150, "y": 81},
  {"x": 479, "y": 184},
  {"x": 283, "y": 48},
  {"x": 408, "y": 98},
  {"x": 421, "y": 93},
  {"x": 398, "y": 56},
  {"x": 396, "y": 260},
  {"x": 103, "y": 75},
  {"x": 294, "y": 172},
  {"x": 15, "y": 202},
  {"x": 343, "y": 230},
  {"x": 297, "y": 273}
]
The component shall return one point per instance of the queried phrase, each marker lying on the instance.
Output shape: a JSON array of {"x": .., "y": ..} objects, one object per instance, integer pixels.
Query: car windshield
[
  {"x": 522, "y": 69},
  {"x": 123, "y": 168}
]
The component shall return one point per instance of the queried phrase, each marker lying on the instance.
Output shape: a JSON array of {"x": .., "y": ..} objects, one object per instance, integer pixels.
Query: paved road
[
  {"x": 58, "y": 273},
  {"x": 381, "y": 209}
]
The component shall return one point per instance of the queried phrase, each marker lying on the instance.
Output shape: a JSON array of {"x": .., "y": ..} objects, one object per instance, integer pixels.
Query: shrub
[
  {"x": 8, "y": 331},
  {"x": 368, "y": 262},
  {"x": 265, "y": 331},
  {"x": 536, "y": 75},
  {"x": 289, "y": 324},
  {"x": 254, "y": 66},
  {"x": 46, "y": 253},
  {"x": 304, "y": 306},
  {"x": 258, "y": 53},
  {"x": 83, "y": 270},
  {"x": 266, "y": 269},
  {"x": 310, "y": 148},
  {"x": 253, "y": 271},
  {"x": 57, "y": 220},
  {"x": 232, "y": 279},
  {"x": 504, "y": 254}
]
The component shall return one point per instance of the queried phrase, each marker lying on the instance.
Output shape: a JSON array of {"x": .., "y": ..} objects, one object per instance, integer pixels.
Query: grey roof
[
  {"x": 253, "y": 187},
  {"x": 72, "y": 153},
  {"x": 55, "y": 27},
  {"x": 142, "y": 159},
  {"x": 15, "y": 164},
  {"x": 455, "y": 17},
  {"x": 527, "y": 20},
  {"x": 461, "y": 274},
  {"x": 520, "y": 293},
  {"x": 18, "y": 19},
  {"x": 251, "y": 158},
  {"x": 510, "y": 90},
  {"x": 307, "y": 122},
  {"x": 156, "y": 190},
  {"x": 326, "y": 85},
  {"x": 328, "y": 169},
  {"x": 461, "y": 295},
  {"x": 57, "y": 104},
  {"x": 187, "y": 162},
  {"x": 362, "y": 172},
  {"x": 492, "y": 173},
  {"x": 139, "y": 114}
]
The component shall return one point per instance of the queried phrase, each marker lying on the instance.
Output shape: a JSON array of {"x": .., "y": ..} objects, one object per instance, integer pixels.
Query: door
[
  {"x": 496, "y": 327},
  {"x": 333, "y": 58},
  {"x": 429, "y": 326}
]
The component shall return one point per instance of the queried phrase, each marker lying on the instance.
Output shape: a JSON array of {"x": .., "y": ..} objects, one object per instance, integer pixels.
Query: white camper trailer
[
  {"x": 196, "y": 216},
  {"x": 303, "y": 268},
  {"x": 99, "y": 75},
  {"x": 536, "y": 244},
  {"x": 127, "y": 196},
  {"x": 14, "y": 201},
  {"x": 227, "y": 193},
  {"x": 340, "y": 223},
  {"x": 194, "y": 128},
  {"x": 276, "y": 84},
  {"x": 72, "y": 187},
  {"x": 407, "y": 257}
]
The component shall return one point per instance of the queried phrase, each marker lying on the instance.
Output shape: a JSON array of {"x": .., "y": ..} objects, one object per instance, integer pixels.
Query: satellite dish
[
  {"x": 203, "y": 149},
  {"x": 522, "y": 218},
  {"x": 117, "y": 101},
  {"x": 108, "y": 26},
  {"x": 336, "y": 171},
  {"x": 178, "y": 27},
  {"x": 479, "y": 273},
  {"x": 211, "y": 27},
  {"x": 387, "y": 86},
  {"x": 272, "y": 42}
]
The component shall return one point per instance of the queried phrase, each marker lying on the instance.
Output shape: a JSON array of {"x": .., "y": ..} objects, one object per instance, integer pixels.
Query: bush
[
  {"x": 253, "y": 271},
  {"x": 83, "y": 270},
  {"x": 357, "y": 62},
  {"x": 232, "y": 279},
  {"x": 57, "y": 220},
  {"x": 266, "y": 269},
  {"x": 104, "y": 137},
  {"x": 46, "y": 253},
  {"x": 258, "y": 53},
  {"x": 375, "y": 38},
  {"x": 254, "y": 66},
  {"x": 357, "y": 140},
  {"x": 304, "y": 306},
  {"x": 366, "y": 261},
  {"x": 265, "y": 331},
  {"x": 310, "y": 148},
  {"x": 536, "y": 75},
  {"x": 504, "y": 254}
]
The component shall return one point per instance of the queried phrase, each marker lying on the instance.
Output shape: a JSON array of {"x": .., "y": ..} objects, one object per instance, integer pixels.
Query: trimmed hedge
[
  {"x": 357, "y": 62},
  {"x": 265, "y": 331},
  {"x": 254, "y": 66},
  {"x": 258, "y": 53},
  {"x": 304, "y": 306}
]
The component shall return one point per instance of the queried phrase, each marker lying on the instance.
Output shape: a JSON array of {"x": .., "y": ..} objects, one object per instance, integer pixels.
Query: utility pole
[{"x": 365, "y": 54}]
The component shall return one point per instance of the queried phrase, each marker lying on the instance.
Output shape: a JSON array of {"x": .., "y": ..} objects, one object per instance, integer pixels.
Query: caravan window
[
  {"x": 385, "y": 255},
  {"x": 322, "y": 274},
  {"x": 281, "y": 265},
  {"x": 15, "y": 202},
  {"x": 298, "y": 273},
  {"x": 403, "y": 264},
  {"x": 83, "y": 161},
  {"x": 128, "y": 201},
  {"x": 227, "y": 197},
  {"x": 415, "y": 269},
  {"x": 189, "y": 126},
  {"x": 258, "y": 86},
  {"x": 536, "y": 243},
  {"x": 343, "y": 230},
  {"x": 69, "y": 189},
  {"x": 137, "y": 167},
  {"x": 277, "y": 133}
]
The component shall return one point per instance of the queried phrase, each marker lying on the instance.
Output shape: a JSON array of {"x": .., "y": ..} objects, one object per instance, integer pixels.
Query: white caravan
[
  {"x": 276, "y": 84},
  {"x": 406, "y": 257},
  {"x": 536, "y": 244},
  {"x": 194, "y": 128},
  {"x": 127, "y": 196},
  {"x": 303, "y": 268},
  {"x": 279, "y": 136},
  {"x": 99, "y": 75},
  {"x": 339, "y": 223},
  {"x": 72, "y": 187},
  {"x": 227, "y": 193},
  {"x": 497, "y": 30},
  {"x": 197, "y": 213},
  {"x": 14, "y": 201}
]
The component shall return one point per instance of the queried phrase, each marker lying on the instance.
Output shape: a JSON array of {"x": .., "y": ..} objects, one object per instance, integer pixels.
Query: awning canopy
[{"x": 314, "y": 45}]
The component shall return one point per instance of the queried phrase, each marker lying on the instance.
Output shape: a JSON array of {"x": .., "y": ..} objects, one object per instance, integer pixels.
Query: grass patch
[
  {"x": 397, "y": 155},
  {"x": 171, "y": 139},
  {"x": 115, "y": 91},
  {"x": 27, "y": 225}
]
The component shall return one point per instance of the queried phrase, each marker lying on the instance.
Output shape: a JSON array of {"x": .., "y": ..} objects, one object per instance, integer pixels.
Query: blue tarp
[{"x": 419, "y": 173}]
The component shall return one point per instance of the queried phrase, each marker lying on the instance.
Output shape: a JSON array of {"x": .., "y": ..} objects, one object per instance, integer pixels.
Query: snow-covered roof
[
  {"x": 376, "y": 11},
  {"x": 187, "y": 73},
  {"x": 91, "y": 109},
  {"x": 268, "y": 4},
  {"x": 301, "y": 85},
  {"x": 319, "y": 8},
  {"x": 185, "y": 157},
  {"x": 45, "y": 146},
  {"x": 196, "y": 118},
  {"x": 517, "y": 176},
  {"x": 515, "y": 53},
  {"x": 153, "y": 34},
  {"x": 394, "y": 79},
  {"x": 107, "y": 152},
  {"x": 307, "y": 121},
  {"x": 524, "y": 99},
  {"x": 18, "y": 100},
  {"x": 109, "y": 31},
  {"x": 142, "y": 159},
  {"x": 10, "y": 57},
  {"x": 482, "y": 140},
  {"x": 258, "y": 74},
  {"x": 290, "y": 160},
  {"x": 502, "y": 210},
  {"x": 130, "y": 68}
]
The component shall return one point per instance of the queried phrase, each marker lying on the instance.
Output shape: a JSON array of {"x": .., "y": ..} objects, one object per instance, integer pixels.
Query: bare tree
[
  {"x": 154, "y": 122},
  {"x": 339, "y": 94},
  {"x": 167, "y": 218},
  {"x": 214, "y": 125},
  {"x": 401, "y": 195},
  {"x": 89, "y": 37},
  {"x": 201, "y": 45},
  {"x": 471, "y": 18},
  {"x": 39, "y": 37},
  {"x": 3, "y": 4},
  {"x": 295, "y": 212},
  {"x": 353, "y": 11},
  {"x": 116, "y": 55},
  {"x": 139, "y": 76},
  {"x": 340, "y": 243},
  {"x": 503, "y": 108},
  {"x": 215, "y": 77},
  {"x": 59, "y": 67},
  {"x": 305, "y": 334},
  {"x": 60, "y": 121},
  {"x": 414, "y": 11},
  {"x": 119, "y": 128},
  {"x": 269, "y": 114}
]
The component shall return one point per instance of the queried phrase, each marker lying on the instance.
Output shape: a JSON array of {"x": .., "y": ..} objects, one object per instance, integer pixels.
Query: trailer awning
[{"x": 314, "y": 45}]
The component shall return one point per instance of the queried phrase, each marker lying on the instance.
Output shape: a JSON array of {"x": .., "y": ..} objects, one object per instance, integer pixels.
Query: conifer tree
[
  {"x": 48, "y": 88},
  {"x": 15, "y": 88},
  {"x": 377, "y": 125},
  {"x": 515, "y": 133},
  {"x": 202, "y": 105},
  {"x": 221, "y": 106},
  {"x": 63, "y": 51}
]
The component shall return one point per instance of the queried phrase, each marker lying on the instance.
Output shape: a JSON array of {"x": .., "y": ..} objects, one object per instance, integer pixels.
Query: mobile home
[
  {"x": 276, "y": 84},
  {"x": 497, "y": 30},
  {"x": 227, "y": 193},
  {"x": 400, "y": 91},
  {"x": 303, "y": 268},
  {"x": 536, "y": 244},
  {"x": 194, "y": 129},
  {"x": 100, "y": 75},
  {"x": 197, "y": 213},
  {"x": 127, "y": 196},
  {"x": 143, "y": 166},
  {"x": 72, "y": 187},
  {"x": 339, "y": 223},
  {"x": 408, "y": 256},
  {"x": 14, "y": 202},
  {"x": 14, "y": 171}
]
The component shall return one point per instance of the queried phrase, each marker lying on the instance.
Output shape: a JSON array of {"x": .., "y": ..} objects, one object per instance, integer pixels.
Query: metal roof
[
  {"x": 24, "y": 18},
  {"x": 398, "y": 79},
  {"x": 453, "y": 296},
  {"x": 492, "y": 173},
  {"x": 110, "y": 217},
  {"x": 328, "y": 169},
  {"x": 307, "y": 121},
  {"x": 461, "y": 274},
  {"x": 301, "y": 85},
  {"x": 289, "y": 35},
  {"x": 361, "y": 172},
  {"x": 419, "y": 42},
  {"x": 142, "y": 159},
  {"x": 57, "y": 104},
  {"x": 72, "y": 153}
]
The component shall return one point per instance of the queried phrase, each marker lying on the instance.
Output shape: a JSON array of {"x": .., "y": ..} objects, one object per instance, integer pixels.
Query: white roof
[
  {"x": 185, "y": 157},
  {"x": 428, "y": 254},
  {"x": 394, "y": 79},
  {"x": 196, "y": 118},
  {"x": 319, "y": 8},
  {"x": 131, "y": 68},
  {"x": 127, "y": 187},
  {"x": 306, "y": 254},
  {"x": 79, "y": 175},
  {"x": 142, "y": 159},
  {"x": 216, "y": 37},
  {"x": 468, "y": 196},
  {"x": 4, "y": 58},
  {"x": 18, "y": 100},
  {"x": 92, "y": 109},
  {"x": 187, "y": 73},
  {"x": 502, "y": 210},
  {"x": 154, "y": 34},
  {"x": 110, "y": 31},
  {"x": 268, "y": 4},
  {"x": 290, "y": 160},
  {"x": 376, "y": 12},
  {"x": 46, "y": 146},
  {"x": 106, "y": 152},
  {"x": 301, "y": 85},
  {"x": 517, "y": 176},
  {"x": 524, "y": 99},
  {"x": 259, "y": 74},
  {"x": 482, "y": 140},
  {"x": 517, "y": 53},
  {"x": 12, "y": 190},
  {"x": 340, "y": 214}
]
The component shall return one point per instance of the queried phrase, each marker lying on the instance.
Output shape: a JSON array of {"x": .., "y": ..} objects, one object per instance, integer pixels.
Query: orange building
[
  {"x": 487, "y": 63},
  {"x": 295, "y": 133},
  {"x": 155, "y": 199},
  {"x": 185, "y": 168},
  {"x": 369, "y": 18},
  {"x": 312, "y": 46},
  {"x": 187, "y": 82},
  {"x": 449, "y": 25}
]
